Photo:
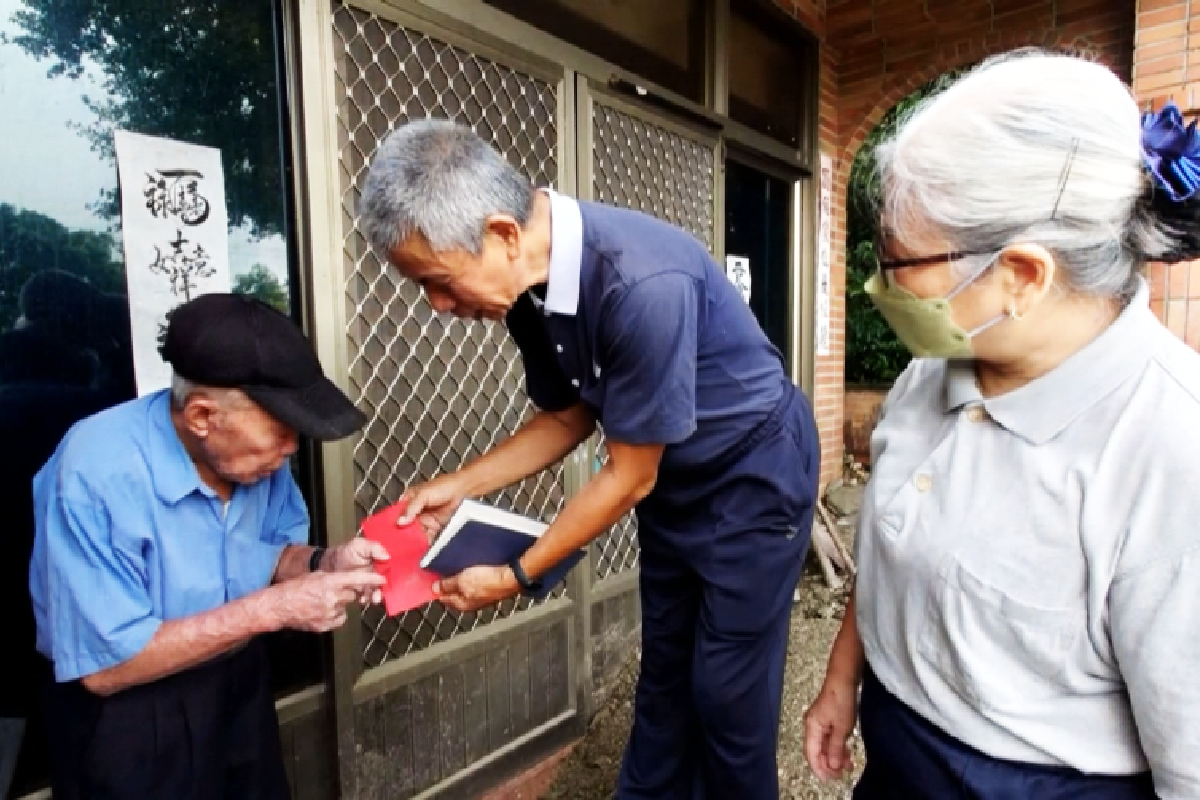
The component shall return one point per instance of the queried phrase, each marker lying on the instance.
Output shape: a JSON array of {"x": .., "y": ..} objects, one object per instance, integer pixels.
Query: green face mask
[{"x": 925, "y": 326}]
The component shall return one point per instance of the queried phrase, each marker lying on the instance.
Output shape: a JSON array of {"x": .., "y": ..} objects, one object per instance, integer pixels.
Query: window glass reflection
[{"x": 72, "y": 72}]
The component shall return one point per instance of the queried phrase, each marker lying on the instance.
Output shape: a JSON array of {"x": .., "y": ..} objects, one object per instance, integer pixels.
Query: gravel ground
[{"x": 590, "y": 772}]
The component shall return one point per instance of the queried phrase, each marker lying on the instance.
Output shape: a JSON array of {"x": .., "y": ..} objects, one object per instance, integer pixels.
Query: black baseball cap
[{"x": 238, "y": 342}]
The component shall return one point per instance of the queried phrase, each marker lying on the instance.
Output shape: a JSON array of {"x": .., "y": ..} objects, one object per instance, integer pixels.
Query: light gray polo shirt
[{"x": 1029, "y": 564}]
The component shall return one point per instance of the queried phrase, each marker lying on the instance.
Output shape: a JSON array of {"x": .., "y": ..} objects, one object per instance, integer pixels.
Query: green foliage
[
  {"x": 198, "y": 71},
  {"x": 260, "y": 283},
  {"x": 31, "y": 242},
  {"x": 873, "y": 353}
]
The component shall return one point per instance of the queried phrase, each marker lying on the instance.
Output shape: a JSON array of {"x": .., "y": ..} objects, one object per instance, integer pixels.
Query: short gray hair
[
  {"x": 182, "y": 389},
  {"x": 440, "y": 180},
  {"x": 1036, "y": 147}
]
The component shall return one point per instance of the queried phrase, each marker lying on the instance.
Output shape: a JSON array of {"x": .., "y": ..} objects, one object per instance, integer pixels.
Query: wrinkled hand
[
  {"x": 476, "y": 587},
  {"x": 317, "y": 602},
  {"x": 433, "y": 503},
  {"x": 357, "y": 555},
  {"x": 828, "y": 724}
]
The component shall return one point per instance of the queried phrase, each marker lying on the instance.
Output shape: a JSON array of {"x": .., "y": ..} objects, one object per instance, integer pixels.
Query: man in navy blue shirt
[
  {"x": 625, "y": 321},
  {"x": 169, "y": 535}
]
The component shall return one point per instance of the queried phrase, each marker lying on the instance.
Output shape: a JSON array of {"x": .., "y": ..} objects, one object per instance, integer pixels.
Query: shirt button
[
  {"x": 559, "y": 348},
  {"x": 976, "y": 414},
  {"x": 575, "y": 382},
  {"x": 923, "y": 483}
]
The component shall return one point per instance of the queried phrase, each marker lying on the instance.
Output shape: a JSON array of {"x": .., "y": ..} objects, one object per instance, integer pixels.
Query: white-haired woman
[{"x": 1026, "y": 618}]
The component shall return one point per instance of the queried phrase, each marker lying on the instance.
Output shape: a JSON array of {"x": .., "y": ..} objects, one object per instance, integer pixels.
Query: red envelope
[{"x": 408, "y": 586}]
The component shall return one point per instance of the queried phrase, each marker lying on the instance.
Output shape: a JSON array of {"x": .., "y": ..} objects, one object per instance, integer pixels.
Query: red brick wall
[
  {"x": 875, "y": 52},
  {"x": 830, "y": 370},
  {"x": 1166, "y": 66},
  {"x": 891, "y": 47}
]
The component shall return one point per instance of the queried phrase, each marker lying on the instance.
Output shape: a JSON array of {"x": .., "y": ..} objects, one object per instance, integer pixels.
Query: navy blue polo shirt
[{"x": 641, "y": 325}]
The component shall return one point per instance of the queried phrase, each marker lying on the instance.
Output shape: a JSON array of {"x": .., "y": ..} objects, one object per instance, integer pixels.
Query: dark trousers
[
  {"x": 717, "y": 577},
  {"x": 909, "y": 758},
  {"x": 209, "y": 733}
]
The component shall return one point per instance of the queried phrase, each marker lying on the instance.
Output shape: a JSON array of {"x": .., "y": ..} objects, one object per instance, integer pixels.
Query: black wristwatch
[
  {"x": 314, "y": 560},
  {"x": 527, "y": 586}
]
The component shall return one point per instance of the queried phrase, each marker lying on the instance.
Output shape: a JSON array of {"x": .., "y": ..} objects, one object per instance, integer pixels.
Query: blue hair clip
[{"x": 1171, "y": 151}]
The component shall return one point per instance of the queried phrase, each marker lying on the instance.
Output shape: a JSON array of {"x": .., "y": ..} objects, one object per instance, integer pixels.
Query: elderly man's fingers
[
  {"x": 362, "y": 580},
  {"x": 376, "y": 551},
  {"x": 357, "y": 582}
]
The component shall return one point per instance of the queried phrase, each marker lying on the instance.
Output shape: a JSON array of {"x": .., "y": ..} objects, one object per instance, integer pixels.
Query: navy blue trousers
[
  {"x": 909, "y": 758},
  {"x": 208, "y": 733},
  {"x": 720, "y": 558}
]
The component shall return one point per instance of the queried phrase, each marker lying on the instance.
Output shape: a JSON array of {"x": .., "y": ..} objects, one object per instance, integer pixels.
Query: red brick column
[
  {"x": 1166, "y": 66},
  {"x": 830, "y": 370}
]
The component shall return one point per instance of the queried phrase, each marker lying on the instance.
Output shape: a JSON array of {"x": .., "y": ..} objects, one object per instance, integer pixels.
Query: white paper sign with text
[
  {"x": 737, "y": 269},
  {"x": 175, "y": 229},
  {"x": 824, "y": 229}
]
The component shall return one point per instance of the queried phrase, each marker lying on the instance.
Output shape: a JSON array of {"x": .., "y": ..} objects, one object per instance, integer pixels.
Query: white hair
[
  {"x": 1034, "y": 147},
  {"x": 440, "y": 180},
  {"x": 182, "y": 389}
]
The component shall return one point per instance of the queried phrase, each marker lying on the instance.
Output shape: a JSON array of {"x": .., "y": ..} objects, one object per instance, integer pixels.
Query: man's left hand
[
  {"x": 356, "y": 555},
  {"x": 476, "y": 587}
]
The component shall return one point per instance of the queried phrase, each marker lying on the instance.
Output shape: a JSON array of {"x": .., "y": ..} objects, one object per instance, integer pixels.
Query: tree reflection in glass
[{"x": 71, "y": 73}]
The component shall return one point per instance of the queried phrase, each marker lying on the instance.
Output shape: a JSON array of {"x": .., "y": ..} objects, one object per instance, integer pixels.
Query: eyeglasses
[{"x": 889, "y": 264}]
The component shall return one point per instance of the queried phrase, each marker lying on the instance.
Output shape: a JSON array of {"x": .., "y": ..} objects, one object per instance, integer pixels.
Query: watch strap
[
  {"x": 527, "y": 586},
  {"x": 314, "y": 560}
]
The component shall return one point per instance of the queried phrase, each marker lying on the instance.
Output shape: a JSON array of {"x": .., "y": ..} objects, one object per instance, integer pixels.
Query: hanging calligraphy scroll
[{"x": 174, "y": 224}]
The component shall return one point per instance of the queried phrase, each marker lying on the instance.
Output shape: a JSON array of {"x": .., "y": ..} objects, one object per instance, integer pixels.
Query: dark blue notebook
[{"x": 481, "y": 534}]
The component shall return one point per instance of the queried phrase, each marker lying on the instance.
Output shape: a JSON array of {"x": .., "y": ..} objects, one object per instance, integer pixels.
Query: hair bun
[{"x": 1165, "y": 224}]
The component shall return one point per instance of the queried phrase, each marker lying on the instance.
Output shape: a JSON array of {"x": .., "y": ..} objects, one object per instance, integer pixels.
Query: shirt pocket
[{"x": 1000, "y": 652}]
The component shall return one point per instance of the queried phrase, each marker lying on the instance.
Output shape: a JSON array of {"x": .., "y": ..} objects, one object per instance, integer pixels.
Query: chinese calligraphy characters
[{"x": 174, "y": 193}]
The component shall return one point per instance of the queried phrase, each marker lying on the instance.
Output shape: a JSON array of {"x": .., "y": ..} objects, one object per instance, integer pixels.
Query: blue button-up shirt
[
  {"x": 641, "y": 325},
  {"x": 128, "y": 537}
]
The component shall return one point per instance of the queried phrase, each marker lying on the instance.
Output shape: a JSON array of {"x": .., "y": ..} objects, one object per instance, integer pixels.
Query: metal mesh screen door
[
  {"x": 661, "y": 169},
  {"x": 438, "y": 391}
]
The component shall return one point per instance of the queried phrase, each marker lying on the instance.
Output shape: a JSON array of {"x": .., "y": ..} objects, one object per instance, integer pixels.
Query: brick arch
[{"x": 948, "y": 59}]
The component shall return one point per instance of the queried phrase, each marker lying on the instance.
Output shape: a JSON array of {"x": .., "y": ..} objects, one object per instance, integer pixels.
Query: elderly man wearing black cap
[{"x": 170, "y": 534}]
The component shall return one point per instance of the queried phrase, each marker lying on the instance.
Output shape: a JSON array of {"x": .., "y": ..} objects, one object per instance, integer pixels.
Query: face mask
[{"x": 925, "y": 326}]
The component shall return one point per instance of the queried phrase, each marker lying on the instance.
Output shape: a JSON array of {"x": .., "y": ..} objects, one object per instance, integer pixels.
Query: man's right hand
[
  {"x": 433, "y": 503},
  {"x": 317, "y": 602}
]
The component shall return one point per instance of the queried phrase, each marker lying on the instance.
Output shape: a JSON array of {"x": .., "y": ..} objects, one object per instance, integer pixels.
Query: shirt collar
[
  {"x": 171, "y": 468},
  {"x": 1041, "y": 409},
  {"x": 566, "y": 255}
]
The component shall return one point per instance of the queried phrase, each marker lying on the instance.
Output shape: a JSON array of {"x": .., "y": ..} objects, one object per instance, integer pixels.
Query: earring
[{"x": 1013, "y": 314}]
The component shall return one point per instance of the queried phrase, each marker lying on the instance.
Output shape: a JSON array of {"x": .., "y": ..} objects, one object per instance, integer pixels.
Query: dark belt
[{"x": 207, "y": 733}]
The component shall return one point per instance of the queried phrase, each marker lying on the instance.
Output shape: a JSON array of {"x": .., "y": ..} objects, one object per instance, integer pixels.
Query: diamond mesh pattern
[
  {"x": 643, "y": 166},
  {"x": 640, "y": 165},
  {"x": 437, "y": 391}
]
